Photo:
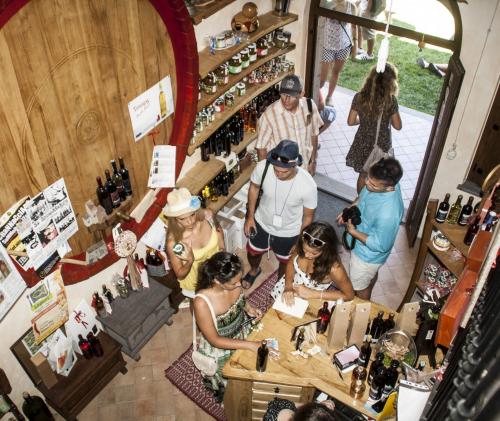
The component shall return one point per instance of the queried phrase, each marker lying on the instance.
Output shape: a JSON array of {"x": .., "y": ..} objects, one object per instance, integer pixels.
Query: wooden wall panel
[{"x": 69, "y": 69}]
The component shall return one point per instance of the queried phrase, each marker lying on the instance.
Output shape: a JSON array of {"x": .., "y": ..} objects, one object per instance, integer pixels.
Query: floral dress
[
  {"x": 229, "y": 325},
  {"x": 364, "y": 140}
]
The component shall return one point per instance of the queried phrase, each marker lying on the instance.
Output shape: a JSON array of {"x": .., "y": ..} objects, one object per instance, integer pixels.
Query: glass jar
[
  {"x": 219, "y": 105},
  {"x": 211, "y": 113},
  {"x": 270, "y": 38},
  {"x": 122, "y": 288},
  {"x": 222, "y": 73},
  {"x": 262, "y": 47},
  {"x": 220, "y": 42},
  {"x": 252, "y": 78},
  {"x": 288, "y": 36},
  {"x": 199, "y": 124},
  {"x": 252, "y": 52},
  {"x": 285, "y": 67},
  {"x": 209, "y": 83},
  {"x": 229, "y": 99},
  {"x": 291, "y": 66},
  {"x": 245, "y": 58},
  {"x": 235, "y": 64},
  {"x": 241, "y": 89},
  {"x": 204, "y": 117},
  {"x": 281, "y": 42}
]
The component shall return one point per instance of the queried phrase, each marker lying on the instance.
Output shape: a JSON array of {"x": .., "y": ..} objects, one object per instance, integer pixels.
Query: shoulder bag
[
  {"x": 377, "y": 153},
  {"x": 207, "y": 365}
]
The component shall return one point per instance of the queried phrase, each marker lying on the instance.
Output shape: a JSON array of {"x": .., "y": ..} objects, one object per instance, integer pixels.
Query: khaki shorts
[{"x": 361, "y": 272}]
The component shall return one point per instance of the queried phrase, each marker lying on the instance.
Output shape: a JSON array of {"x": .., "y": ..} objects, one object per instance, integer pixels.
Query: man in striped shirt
[{"x": 290, "y": 118}]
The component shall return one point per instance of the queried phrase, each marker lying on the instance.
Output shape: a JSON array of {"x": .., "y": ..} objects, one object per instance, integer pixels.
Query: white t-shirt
[{"x": 287, "y": 199}]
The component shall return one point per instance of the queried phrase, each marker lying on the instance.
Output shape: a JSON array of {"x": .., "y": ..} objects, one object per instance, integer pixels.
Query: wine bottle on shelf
[
  {"x": 391, "y": 377},
  {"x": 262, "y": 354},
  {"x": 84, "y": 346},
  {"x": 252, "y": 119},
  {"x": 104, "y": 197},
  {"x": 117, "y": 179},
  {"x": 112, "y": 190},
  {"x": 454, "y": 212},
  {"x": 443, "y": 209},
  {"x": 95, "y": 345},
  {"x": 125, "y": 177},
  {"x": 205, "y": 150},
  {"x": 378, "y": 384},
  {"x": 377, "y": 326},
  {"x": 367, "y": 331},
  {"x": 365, "y": 353},
  {"x": 466, "y": 212},
  {"x": 389, "y": 323},
  {"x": 376, "y": 364},
  {"x": 472, "y": 231}
]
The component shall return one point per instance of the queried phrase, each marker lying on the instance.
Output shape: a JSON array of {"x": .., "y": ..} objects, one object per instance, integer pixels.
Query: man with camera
[
  {"x": 281, "y": 200},
  {"x": 372, "y": 223}
]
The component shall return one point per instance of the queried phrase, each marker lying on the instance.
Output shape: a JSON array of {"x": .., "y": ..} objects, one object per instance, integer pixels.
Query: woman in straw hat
[{"x": 192, "y": 237}]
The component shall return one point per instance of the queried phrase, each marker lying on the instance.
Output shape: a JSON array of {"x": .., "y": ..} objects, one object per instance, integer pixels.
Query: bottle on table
[
  {"x": 324, "y": 318},
  {"x": 455, "y": 210},
  {"x": 365, "y": 353},
  {"x": 98, "y": 304},
  {"x": 377, "y": 326},
  {"x": 376, "y": 364},
  {"x": 378, "y": 384},
  {"x": 300, "y": 339},
  {"x": 112, "y": 190},
  {"x": 117, "y": 179},
  {"x": 466, "y": 212},
  {"x": 262, "y": 354},
  {"x": 389, "y": 323},
  {"x": 125, "y": 177},
  {"x": 424, "y": 339},
  {"x": 391, "y": 377},
  {"x": 358, "y": 382},
  {"x": 472, "y": 231},
  {"x": 367, "y": 331},
  {"x": 443, "y": 209},
  {"x": 103, "y": 197},
  {"x": 84, "y": 346},
  {"x": 106, "y": 292},
  {"x": 95, "y": 345}
]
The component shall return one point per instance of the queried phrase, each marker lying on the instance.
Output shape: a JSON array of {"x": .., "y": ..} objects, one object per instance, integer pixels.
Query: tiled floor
[
  {"x": 144, "y": 394},
  {"x": 409, "y": 144}
]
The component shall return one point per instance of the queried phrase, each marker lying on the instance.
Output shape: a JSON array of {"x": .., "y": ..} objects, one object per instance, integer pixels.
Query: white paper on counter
[{"x": 297, "y": 310}]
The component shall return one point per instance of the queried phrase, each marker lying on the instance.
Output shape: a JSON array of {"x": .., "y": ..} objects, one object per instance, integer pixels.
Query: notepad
[{"x": 298, "y": 309}]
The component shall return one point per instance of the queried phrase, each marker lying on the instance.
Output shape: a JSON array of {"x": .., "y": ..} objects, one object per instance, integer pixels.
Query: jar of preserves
[
  {"x": 241, "y": 89},
  {"x": 252, "y": 52},
  {"x": 220, "y": 42},
  {"x": 199, "y": 124},
  {"x": 281, "y": 42},
  {"x": 245, "y": 58},
  {"x": 229, "y": 99},
  {"x": 211, "y": 113},
  {"x": 219, "y": 105},
  {"x": 209, "y": 83},
  {"x": 252, "y": 78},
  {"x": 288, "y": 36},
  {"x": 285, "y": 67},
  {"x": 222, "y": 73},
  {"x": 235, "y": 64},
  {"x": 291, "y": 66},
  {"x": 262, "y": 47},
  {"x": 204, "y": 117}
]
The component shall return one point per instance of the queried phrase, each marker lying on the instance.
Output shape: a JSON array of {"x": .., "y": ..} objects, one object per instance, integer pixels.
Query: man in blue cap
[{"x": 282, "y": 199}]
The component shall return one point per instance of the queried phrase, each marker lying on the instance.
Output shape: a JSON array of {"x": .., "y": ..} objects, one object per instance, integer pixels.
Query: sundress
[
  {"x": 228, "y": 326},
  {"x": 364, "y": 140}
]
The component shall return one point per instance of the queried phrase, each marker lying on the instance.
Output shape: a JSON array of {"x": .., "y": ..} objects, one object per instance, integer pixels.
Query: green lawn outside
[{"x": 418, "y": 89}]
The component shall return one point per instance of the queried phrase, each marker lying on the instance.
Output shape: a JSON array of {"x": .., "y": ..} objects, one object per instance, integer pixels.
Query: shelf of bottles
[{"x": 268, "y": 22}]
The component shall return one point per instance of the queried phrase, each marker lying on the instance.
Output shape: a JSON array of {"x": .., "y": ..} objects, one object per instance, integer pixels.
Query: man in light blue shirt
[{"x": 381, "y": 207}]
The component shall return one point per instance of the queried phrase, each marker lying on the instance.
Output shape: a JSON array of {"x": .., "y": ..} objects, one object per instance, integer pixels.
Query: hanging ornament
[
  {"x": 452, "y": 152},
  {"x": 125, "y": 245},
  {"x": 421, "y": 43},
  {"x": 383, "y": 51}
]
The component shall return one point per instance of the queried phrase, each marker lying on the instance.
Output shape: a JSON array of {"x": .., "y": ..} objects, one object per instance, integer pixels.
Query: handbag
[
  {"x": 207, "y": 365},
  {"x": 377, "y": 153}
]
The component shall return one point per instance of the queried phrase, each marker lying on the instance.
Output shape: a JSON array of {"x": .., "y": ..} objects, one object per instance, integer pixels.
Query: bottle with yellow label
[{"x": 163, "y": 103}]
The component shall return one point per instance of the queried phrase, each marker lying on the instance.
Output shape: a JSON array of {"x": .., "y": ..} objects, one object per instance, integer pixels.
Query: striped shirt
[{"x": 277, "y": 124}]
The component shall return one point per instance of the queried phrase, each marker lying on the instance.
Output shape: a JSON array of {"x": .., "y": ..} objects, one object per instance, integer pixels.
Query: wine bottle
[
  {"x": 107, "y": 293},
  {"x": 455, "y": 209},
  {"x": 300, "y": 339},
  {"x": 443, "y": 209},
  {"x": 378, "y": 384},
  {"x": 365, "y": 353},
  {"x": 125, "y": 177},
  {"x": 324, "y": 318},
  {"x": 358, "y": 382},
  {"x": 377, "y": 326},
  {"x": 466, "y": 212},
  {"x": 391, "y": 377},
  {"x": 379, "y": 362},
  {"x": 112, "y": 190},
  {"x": 84, "y": 346},
  {"x": 117, "y": 179},
  {"x": 472, "y": 231},
  {"x": 262, "y": 354},
  {"x": 367, "y": 331},
  {"x": 389, "y": 323},
  {"x": 103, "y": 197},
  {"x": 95, "y": 345},
  {"x": 205, "y": 150}
]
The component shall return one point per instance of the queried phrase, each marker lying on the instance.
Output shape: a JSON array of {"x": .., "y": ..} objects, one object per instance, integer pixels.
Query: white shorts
[{"x": 361, "y": 272}]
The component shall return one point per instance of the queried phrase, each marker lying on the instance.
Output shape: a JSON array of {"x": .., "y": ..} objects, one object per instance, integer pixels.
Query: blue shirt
[{"x": 381, "y": 215}]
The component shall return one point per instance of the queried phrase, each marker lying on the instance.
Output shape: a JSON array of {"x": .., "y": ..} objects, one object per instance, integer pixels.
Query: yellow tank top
[{"x": 200, "y": 255}]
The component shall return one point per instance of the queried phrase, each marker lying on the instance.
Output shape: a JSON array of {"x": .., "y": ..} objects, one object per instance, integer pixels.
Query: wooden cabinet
[{"x": 204, "y": 172}]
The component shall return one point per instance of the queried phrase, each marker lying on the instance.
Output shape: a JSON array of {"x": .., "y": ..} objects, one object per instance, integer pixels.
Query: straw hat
[{"x": 179, "y": 202}]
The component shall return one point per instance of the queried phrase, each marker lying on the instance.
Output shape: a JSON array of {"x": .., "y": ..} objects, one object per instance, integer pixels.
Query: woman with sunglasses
[
  {"x": 313, "y": 267},
  {"x": 222, "y": 314}
]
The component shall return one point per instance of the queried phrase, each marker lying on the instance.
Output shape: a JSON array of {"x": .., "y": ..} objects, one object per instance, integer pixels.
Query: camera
[{"x": 353, "y": 213}]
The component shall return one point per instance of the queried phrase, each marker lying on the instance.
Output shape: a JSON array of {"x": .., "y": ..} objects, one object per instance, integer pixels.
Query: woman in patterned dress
[
  {"x": 377, "y": 99},
  {"x": 219, "y": 297},
  {"x": 314, "y": 268}
]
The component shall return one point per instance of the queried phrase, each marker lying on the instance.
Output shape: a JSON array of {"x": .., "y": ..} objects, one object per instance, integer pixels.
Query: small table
[{"x": 137, "y": 318}]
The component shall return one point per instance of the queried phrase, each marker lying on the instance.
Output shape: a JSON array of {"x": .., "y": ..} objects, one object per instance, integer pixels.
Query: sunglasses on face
[
  {"x": 283, "y": 159},
  {"x": 312, "y": 241}
]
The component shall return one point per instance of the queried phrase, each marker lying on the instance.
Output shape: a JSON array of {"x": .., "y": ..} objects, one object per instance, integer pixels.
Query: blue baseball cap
[{"x": 285, "y": 154}]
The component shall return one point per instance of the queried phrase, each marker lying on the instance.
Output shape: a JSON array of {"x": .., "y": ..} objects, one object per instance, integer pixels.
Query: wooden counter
[{"x": 290, "y": 377}]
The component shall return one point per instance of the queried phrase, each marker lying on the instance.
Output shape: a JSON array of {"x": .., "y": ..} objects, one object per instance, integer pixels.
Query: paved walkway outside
[{"x": 409, "y": 144}]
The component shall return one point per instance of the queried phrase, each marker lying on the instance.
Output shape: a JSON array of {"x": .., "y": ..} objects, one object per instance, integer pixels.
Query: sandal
[{"x": 250, "y": 279}]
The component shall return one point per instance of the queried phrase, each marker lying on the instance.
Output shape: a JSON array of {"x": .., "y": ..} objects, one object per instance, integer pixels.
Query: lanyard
[{"x": 286, "y": 198}]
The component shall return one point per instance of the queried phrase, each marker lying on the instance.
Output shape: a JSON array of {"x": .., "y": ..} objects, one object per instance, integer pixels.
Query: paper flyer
[
  {"x": 11, "y": 283},
  {"x": 9, "y": 237},
  {"x": 162, "y": 173}
]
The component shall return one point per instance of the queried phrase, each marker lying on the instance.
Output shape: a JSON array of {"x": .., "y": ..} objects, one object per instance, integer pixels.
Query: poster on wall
[
  {"x": 9, "y": 236},
  {"x": 162, "y": 172},
  {"x": 151, "y": 107},
  {"x": 11, "y": 283},
  {"x": 48, "y": 305}
]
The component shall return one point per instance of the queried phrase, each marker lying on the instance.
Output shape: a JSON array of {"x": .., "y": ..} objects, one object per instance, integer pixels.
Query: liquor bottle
[
  {"x": 300, "y": 339},
  {"x": 103, "y": 197},
  {"x": 472, "y": 231},
  {"x": 112, "y": 190},
  {"x": 117, "y": 178},
  {"x": 391, "y": 377},
  {"x": 107, "y": 293},
  {"x": 98, "y": 304},
  {"x": 377, "y": 326},
  {"x": 84, "y": 346},
  {"x": 365, "y": 353},
  {"x": 378, "y": 384},
  {"x": 252, "y": 119},
  {"x": 262, "y": 354},
  {"x": 443, "y": 209},
  {"x": 466, "y": 212},
  {"x": 358, "y": 382},
  {"x": 95, "y": 345},
  {"x": 367, "y": 331},
  {"x": 424, "y": 339},
  {"x": 389, "y": 323},
  {"x": 163, "y": 102},
  {"x": 125, "y": 177},
  {"x": 324, "y": 318},
  {"x": 455, "y": 209},
  {"x": 379, "y": 362}
]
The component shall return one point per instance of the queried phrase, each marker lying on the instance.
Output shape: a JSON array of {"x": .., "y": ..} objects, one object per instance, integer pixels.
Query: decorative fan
[{"x": 125, "y": 246}]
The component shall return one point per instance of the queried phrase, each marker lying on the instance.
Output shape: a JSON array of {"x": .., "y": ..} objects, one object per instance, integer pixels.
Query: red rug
[{"x": 184, "y": 375}]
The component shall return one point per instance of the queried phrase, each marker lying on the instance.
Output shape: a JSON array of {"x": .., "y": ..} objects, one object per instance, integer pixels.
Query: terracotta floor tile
[
  {"x": 125, "y": 393},
  {"x": 106, "y": 397},
  {"x": 185, "y": 409},
  {"x": 143, "y": 374},
  {"x": 89, "y": 413},
  {"x": 126, "y": 411},
  {"x": 145, "y": 408},
  {"x": 107, "y": 412},
  {"x": 165, "y": 418},
  {"x": 165, "y": 406}
]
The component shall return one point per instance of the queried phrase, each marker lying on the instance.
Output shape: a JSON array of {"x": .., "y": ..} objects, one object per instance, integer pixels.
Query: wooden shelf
[
  {"x": 455, "y": 233},
  {"x": 234, "y": 79},
  {"x": 236, "y": 186},
  {"x": 267, "y": 23},
  {"x": 454, "y": 266},
  {"x": 239, "y": 102},
  {"x": 205, "y": 171},
  {"x": 198, "y": 13}
]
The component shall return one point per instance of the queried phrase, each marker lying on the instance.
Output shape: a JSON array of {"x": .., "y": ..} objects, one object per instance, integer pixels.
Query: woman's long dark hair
[
  {"x": 314, "y": 411},
  {"x": 379, "y": 88},
  {"x": 329, "y": 252},
  {"x": 222, "y": 266}
]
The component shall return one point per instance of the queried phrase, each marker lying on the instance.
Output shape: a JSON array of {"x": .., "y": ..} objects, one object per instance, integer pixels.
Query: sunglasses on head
[
  {"x": 283, "y": 159},
  {"x": 312, "y": 241}
]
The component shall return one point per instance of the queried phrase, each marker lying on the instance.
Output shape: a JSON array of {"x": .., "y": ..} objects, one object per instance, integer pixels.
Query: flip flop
[{"x": 250, "y": 279}]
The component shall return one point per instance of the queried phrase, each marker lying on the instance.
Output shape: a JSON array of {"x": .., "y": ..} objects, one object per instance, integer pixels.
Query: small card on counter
[
  {"x": 298, "y": 309},
  {"x": 346, "y": 359}
]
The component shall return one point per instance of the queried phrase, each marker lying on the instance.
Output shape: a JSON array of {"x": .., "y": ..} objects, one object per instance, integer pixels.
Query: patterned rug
[{"x": 184, "y": 375}]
